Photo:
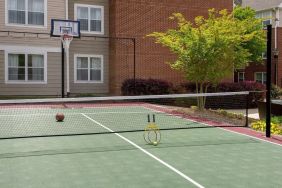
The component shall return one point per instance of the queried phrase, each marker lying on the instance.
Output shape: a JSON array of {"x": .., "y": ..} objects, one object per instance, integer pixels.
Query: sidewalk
[{"x": 253, "y": 113}]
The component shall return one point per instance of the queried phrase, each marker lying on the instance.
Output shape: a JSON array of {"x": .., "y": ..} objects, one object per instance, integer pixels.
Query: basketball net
[{"x": 66, "y": 39}]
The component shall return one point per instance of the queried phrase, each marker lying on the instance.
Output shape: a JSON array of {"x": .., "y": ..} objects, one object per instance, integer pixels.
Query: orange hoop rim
[{"x": 67, "y": 37}]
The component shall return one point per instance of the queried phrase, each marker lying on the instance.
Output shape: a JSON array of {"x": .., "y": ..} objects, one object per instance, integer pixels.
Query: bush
[
  {"x": 146, "y": 87},
  {"x": 257, "y": 89},
  {"x": 276, "y": 91},
  {"x": 276, "y": 125}
]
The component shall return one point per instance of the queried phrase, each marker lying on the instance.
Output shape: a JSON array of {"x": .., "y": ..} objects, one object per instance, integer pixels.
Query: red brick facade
[
  {"x": 276, "y": 65},
  {"x": 137, "y": 18}
]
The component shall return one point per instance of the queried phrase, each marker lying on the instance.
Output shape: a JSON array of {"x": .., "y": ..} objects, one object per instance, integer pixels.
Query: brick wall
[
  {"x": 137, "y": 18},
  {"x": 276, "y": 74},
  {"x": 279, "y": 60}
]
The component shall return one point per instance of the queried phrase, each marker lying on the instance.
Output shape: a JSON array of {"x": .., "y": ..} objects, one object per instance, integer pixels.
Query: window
[
  {"x": 241, "y": 76},
  {"x": 91, "y": 18},
  {"x": 88, "y": 69},
  {"x": 25, "y": 68},
  {"x": 260, "y": 77},
  {"x": 264, "y": 55},
  {"x": 26, "y": 12},
  {"x": 266, "y": 16}
]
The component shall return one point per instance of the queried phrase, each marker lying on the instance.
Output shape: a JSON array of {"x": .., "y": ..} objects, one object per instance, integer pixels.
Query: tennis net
[{"x": 102, "y": 115}]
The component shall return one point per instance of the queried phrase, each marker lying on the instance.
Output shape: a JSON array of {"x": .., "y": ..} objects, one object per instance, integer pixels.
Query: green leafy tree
[{"x": 209, "y": 49}]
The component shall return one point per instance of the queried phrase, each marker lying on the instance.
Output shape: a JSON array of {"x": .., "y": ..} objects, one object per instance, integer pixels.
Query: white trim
[
  {"x": 147, "y": 153},
  {"x": 76, "y": 5},
  {"x": 44, "y": 26},
  {"x": 264, "y": 55},
  {"x": 27, "y": 49},
  {"x": 89, "y": 81},
  {"x": 7, "y": 81}
]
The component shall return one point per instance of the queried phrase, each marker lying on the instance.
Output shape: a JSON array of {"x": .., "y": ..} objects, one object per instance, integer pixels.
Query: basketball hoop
[
  {"x": 66, "y": 30},
  {"x": 66, "y": 40}
]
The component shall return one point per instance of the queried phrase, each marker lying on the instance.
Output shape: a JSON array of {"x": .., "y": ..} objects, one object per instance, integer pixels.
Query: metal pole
[
  {"x": 68, "y": 72},
  {"x": 268, "y": 81},
  {"x": 63, "y": 71},
  {"x": 247, "y": 110}
]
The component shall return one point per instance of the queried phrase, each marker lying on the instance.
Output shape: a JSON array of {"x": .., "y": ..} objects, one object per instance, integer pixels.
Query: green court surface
[{"x": 211, "y": 158}]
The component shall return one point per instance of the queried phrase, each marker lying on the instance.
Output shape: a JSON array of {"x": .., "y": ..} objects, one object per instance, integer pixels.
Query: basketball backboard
[{"x": 65, "y": 27}]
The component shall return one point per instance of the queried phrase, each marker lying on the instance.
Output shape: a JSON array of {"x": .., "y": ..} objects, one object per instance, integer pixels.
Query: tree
[{"x": 209, "y": 49}]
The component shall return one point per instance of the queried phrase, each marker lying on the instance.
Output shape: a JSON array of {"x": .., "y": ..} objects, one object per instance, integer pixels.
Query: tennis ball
[{"x": 155, "y": 143}]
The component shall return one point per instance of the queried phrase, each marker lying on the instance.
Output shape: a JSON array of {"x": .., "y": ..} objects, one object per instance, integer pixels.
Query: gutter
[{"x": 67, "y": 9}]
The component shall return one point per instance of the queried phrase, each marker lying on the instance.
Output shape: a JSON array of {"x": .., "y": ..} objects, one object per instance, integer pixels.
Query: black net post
[
  {"x": 247, "y": 110},
  {"x": 268, "y": 81}
]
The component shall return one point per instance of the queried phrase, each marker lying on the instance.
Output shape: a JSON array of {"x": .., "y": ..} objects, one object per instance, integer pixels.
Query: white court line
[
  {"x": 148, "y": 153},
  {"x": 215, "y": 127}
]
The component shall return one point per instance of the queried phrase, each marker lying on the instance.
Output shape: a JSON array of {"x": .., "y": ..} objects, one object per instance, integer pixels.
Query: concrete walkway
[{"x": 253, "y": 113}]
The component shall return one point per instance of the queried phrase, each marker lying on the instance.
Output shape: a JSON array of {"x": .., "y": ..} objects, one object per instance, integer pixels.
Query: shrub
[
  {"x": 276, "y": 127},
  {"x": 146, "y": 87},
  {"x": 257, "y": 89},
  {"x": 276, "y": 91}
]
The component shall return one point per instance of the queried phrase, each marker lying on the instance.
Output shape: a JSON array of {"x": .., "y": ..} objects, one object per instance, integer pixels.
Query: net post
[
  {"x": 247, "y": 110},
  {"x": 268, "y": 82}
]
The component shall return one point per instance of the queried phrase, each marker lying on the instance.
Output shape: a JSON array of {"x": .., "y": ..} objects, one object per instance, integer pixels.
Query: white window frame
[
  {"x": 89, "y": 81},
  {"x": 239, "y": 76},
  {"x": 265, "y": 16},
  {"x": 262, "y": 73},
  {"x": 26, "y": 17},
  {"x": 264, "y": 55},
  {"x": 89, "y": 12},
  {"x": 26, "y": 53}
]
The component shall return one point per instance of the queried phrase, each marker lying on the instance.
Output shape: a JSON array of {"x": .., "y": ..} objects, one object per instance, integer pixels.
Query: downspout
[
  {"x": 67, "y": 9},
  {"x": 277, "y": 19}
]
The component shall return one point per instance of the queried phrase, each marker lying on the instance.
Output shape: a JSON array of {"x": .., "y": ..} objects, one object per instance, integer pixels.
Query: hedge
[{"x": 146, "y": 87}]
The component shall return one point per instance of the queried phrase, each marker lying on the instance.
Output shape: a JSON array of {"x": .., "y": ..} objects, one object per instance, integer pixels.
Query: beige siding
[
  {"x": 53, "y": 86},
  {"x": 261, "y": 4},
  {"x": 90, "y": 47},
  {"x": 55, "y": 9},
  {"x": 14, "y": 39},
  {"x": 104, "y": 3}
]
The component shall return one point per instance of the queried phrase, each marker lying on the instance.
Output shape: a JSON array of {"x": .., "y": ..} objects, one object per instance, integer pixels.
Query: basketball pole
[
  {"x": 68, "y": 71},
  {"x": 63, "y": 71}
]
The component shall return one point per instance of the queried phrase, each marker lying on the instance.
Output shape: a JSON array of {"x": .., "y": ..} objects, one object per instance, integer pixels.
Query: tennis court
[{"x": 46, "y": 153}]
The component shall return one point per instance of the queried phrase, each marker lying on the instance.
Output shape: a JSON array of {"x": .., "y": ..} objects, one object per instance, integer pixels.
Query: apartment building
[
  {"x": 271, "y": 13},
  {"x": 30, "y": 60}
]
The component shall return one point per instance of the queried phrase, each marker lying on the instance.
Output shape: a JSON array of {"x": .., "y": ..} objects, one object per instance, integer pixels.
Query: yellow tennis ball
[{"x": 155, "y": 143}]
